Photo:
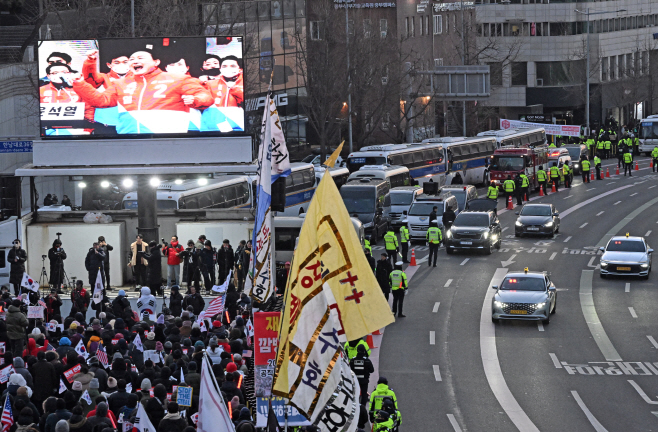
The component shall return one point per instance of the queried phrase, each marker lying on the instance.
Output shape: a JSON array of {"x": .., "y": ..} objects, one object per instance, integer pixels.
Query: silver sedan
[
  {"x": 524, "y": 296},
  {"x": 626, "y": 256}
]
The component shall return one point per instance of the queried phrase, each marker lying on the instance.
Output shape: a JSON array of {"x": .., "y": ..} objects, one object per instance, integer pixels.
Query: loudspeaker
[
  {"x": 279, "y": 195},
  {"x": 430, "y": 188}
]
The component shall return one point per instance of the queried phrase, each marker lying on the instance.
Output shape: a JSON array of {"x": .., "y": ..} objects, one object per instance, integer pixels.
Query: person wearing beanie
[
  {"x": 49, "y": 407},
  {"x": 60, "y": 414},
  {"x": 19, "y": 366},
  {"x": 235, "y": 403},
  {"x": 231, "y": 367},
  {"x": 78, "y": 422},
  {"x": 119, "y": 398},
  {"x": 84, "y": 377},
  {"x": 100, "y": 417},
  {"x": 99, "y": 373},
  {"x": 120, "y": 305},
  {"x": 245, "y": 423},
  {"x": 193, "y": 378},
  {"x": 230, "y": 388},
  {"x": 172, "y": 422},
  {"x": 93, "y": 394},
  {"x": 22, "y": 400},
  {"x": 149, "y": 343},
  {"x": 25, "y": 419},
  {"x": 145, "y": 393},
  {"x": 214, "y": 351},
  {"x": 62, "y": 426},
  {"x": 186, "y": 329}
]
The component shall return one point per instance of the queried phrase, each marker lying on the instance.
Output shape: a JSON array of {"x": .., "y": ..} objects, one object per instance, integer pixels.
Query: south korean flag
[{"x": 81, "y": 350}]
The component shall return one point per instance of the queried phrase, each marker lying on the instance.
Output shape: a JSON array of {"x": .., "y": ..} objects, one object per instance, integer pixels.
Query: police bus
[
  {"x": 339, "y": 174},
  {"x": 469, "y": 157},
  {"x": 648, "y": 134},
  {"x": 300, "y": 188},
  {"x": 517, "y": 137}
]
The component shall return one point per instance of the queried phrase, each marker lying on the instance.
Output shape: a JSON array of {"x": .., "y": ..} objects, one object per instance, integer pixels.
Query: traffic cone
[
  {"x": 592, "y": 176},
  {"x": 510, "y": 205},
  {"x": 376, "y": 333},
  {"x": 541, "y": 190},
  {"x": 607, "y": 172},
  {"x": 617, "y": 170},
  {"x": 413, "y": 258},
  {"x": 370, "y": 342},
  {"x": 637, "y": 167},
  {"x": 553, "y": 190}
]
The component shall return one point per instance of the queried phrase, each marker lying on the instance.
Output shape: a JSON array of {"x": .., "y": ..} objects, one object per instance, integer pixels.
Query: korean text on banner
[
  {"x": 69, "y": 373},
  {"x": 35, "y": 312},
  {"x": 551, "y": 129},
  {"x": 5, "y": 373}
]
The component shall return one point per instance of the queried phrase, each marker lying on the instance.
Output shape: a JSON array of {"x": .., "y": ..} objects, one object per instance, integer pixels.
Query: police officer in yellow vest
[
  {"x": 628, "y": 163},
  {"x": 509, "y": 187},
  {"x": 654, "y": 157},
  {"x": 434, "y": 238},
  {"x": 600, "y": 146},
  {"x": 492, "y": 192},
  {"x": 525, "y": 185},
  {"x": 555, "y": 176},
  {"x": 351, "y": 348},
  {"x": 597, "y": 166},
  {"x": 399, "y": 286},
  {"x": 542, "y": 178},
  {"x": 566, "y": 171},
  {"x": 404, "y": 242},
  {"x": 366, "y": 246},
  {"x": 607, "y": 146},
  {"x": 584, "y": 168},
  {"x": 391, "y": 245},
  {"x": 377, "y": 397}
]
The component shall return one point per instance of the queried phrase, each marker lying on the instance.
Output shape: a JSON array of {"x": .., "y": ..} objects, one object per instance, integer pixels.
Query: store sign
[
  {"x": 358, "y": 4},
  {"x": 255, "y": 104},
  {"x": 444, "y": 7},
  {"x": 551, "y": 129}
]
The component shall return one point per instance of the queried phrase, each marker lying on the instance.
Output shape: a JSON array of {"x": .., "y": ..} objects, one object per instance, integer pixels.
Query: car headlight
[
  {"x": 518, "y": 223},
  {"x": 540, "y": 305},
  {"x": 576, "y": 165},
  {"x": 448, "y": 233},
  {"x": 499, "y": 304},
  {"x": 485, "y": 235},
  {"x": 368, "y": 225},
  {"x": 494, "y": 237},
  {"x": 548, "y": 224},
  {"x": 644, "y": 265},
  {"x": 604, "y": 264}
]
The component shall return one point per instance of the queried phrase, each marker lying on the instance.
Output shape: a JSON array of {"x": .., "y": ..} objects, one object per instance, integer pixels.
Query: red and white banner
[{"x": 551, "y": 129}]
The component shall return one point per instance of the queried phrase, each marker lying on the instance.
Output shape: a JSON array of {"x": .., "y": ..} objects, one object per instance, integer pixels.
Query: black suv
[{"x": 479, "y": 230}]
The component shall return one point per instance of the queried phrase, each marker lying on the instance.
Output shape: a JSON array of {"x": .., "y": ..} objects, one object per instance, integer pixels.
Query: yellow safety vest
[
  {"x": 404, "y": 234},
  {"x": 366, "y": 246},
  {"x": 555, "y": 172},
  {"x": 600, "y": 145},
  {"x": 566, "y": 170},
  {"x": 397, "y": 278},
  {"x": 541, "y": 175},
  {"x": 492, "y": 193},
  {"x": 352, "y": 351},
  {"x": 628, "y": 157},
  {"x": 434, "y": 235},
  {"x": 607, "y": 145},
  {"x": 525, "y": 181},
  {"x": 391, "y": 241},
  {"x": 509, "y": 186},
  {"x": 654, "y": 152},
  {"x": 597, "y": 161},
  {"x": 585, "y": 164}
]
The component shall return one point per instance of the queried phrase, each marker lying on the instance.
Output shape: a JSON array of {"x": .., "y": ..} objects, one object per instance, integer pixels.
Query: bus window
[
  {"x": 289, "y": 184},
  {"x": 309, "y": 179},
  {"x": 285, "y": 238},
  {"x": 340, "y": 179},
  {"x": 219, "y": 198},
  {"x": 230, "y": 195},
  {"x": 191, "y": 203},
  {"x": 525, "y": 140},
  {"x": 205, "y": 200},
  {"x": 396, "y": 160},
  {"x": 408, "y": 159},
  {"x": 242, "y": 194},
  {"x": 418, "y": 158},
  {"x": 297, "y": 180}
]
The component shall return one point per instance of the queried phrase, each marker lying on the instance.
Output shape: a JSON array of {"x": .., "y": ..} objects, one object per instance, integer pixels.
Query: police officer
[
  {"x": 607, "y": 145},
  {"x": 404, "y": 242},
  {"x": 434, "y": 238},
  {"x": 542, "y": 178},
  {"x": 628, "y": 163},
  {"x": 597, "y": 166},
  {"x": 366, "y": 245},
  {"x": 352, "y": 348},
  {"x": 567, "y": 172},
  {"x": 492, "y": 192},
  {"x": 391, "y": 245},
  {"x": 378, "y": 394},
  {"x": 525, "y": 185},
  {"x": 555, "y": 176},
  {"x": 654, "y": 157},
  {"x": 600, "y": 146},
  {"x": 362, "y": 368},
  {"x": 508, "y": 188},
  {"x": 394, "y": 413},
  {"x": 518, "y": 182},
  {"x": 383, "y": 422},
  {"x": 399, "y": 286}
]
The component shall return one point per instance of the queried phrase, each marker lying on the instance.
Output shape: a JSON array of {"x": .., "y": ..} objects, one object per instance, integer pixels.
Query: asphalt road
[{"x": 593, "y": 368}]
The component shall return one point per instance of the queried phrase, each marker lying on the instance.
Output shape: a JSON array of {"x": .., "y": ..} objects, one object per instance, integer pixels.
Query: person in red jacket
[
  {"x": 149, "y": 100},
  {"x": 226, "y": 114},
  {"x": 172, "y": 252},
  {"x": 59, "y": 91},
  {"x": 119, "y": 68}
]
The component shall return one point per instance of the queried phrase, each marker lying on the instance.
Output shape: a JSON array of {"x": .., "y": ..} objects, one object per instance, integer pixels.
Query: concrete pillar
[
  {"x": 532, "y": 74},
  {"x": 147, "y": 210}
]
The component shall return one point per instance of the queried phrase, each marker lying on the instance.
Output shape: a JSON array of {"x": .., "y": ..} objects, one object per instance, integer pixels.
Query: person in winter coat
[
  {"x": 56, "y": 257},
  {"x": 19, "y": 367},
  {"x": 80, "y": 298},
  {"x": 172, "y": 251},
  {"x": 195, "y": 300},
  {"x": 382, "y": 274},
  {"x": 16, "y": 258},
  {"x": 193, "y": 378},
  {"x": 105, "y": 248},
  {"x": 175, "y": 301},
  {"x": 191, "y": 265},
  {"x": 53, "y": 304},
  {"x": 155, "y": 407},
  {"x": 25, "y": 421},
  {"x": 61, "y": 413},
  {"x": 137, "y": 261},
  {"x": 225, "y": 260},
  {"x": 146, "y": 302},
  {"x": 99, "y": 373},
  {"x": 245, "y": 423},
  {"x": 45, "y": 375},
  {"x": 119, "y": 304},
  {"x": 93, "y": 395},
  {"x": 94, "y": 263},
  {"x": 101, "y": 417},
  {"x": 118, "y": 399},
  {"x": 130, "y": 407},
  {"x": 84, "y": 376},
  {"x": 154, "y": 259},
  {"x": 207, "y": 257},
  {"x": 78, "y": 422},
  {"x": 230, "y": 388},
  {"x": 32, "y": 348},
  {"x": 49, "y": 407},
  {"x": 172, "y": 422},
  {"x": 16, "y": 325}
]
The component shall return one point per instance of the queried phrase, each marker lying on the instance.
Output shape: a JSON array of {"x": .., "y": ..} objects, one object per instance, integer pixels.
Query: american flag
[
  {"x": 7, "y": 419},
  {"x": 101, "y": 355},
  {"x": 41, "y": 303},
  {"x": 215, "y": 307}
]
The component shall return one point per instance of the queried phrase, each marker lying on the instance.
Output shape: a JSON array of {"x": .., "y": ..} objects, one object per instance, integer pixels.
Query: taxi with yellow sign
[
  {"x": 524, "y": 296},
  {"x": 626, "y": 256}
]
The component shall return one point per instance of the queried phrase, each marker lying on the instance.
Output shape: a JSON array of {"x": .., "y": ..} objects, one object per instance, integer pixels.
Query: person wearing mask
[
  {"x": 94, "y": 263},
  {"x": 172, "y": 252},
  {"x": 382, "y": 273},
  {"x": 399, "y": 286},
  {"x": 105, "y": 248},
  {"x": 154, "y": 259},
  {"x": 56, "y": 256},
  {"x": 391, "y": 242},
  {"x": 207, "y": 256},
  {"x": 225, "y": 260},
  {"x": 16, "y": 258},
  {"x": 137, "y": 261}
]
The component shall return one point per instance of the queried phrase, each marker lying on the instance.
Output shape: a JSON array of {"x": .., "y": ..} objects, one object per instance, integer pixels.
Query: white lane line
[
  {"x": 633, "y": 194},
  {"x": 540, "y": 326},
  {"x": 653, "y": 341},
  {"x": 465, "y": 261},
  {"x": 590, "y": 189},
  {"x": 632, "y": 311},
  {"x": 437, "y": 373},
  {"x": 642, "y": 394},
  {"x": 453, "y": 422},
  {"x": 432, "y": 337},
  {"x": 567, "y": 239},
  {"x": 556, "y": 362},
  {"x": 592, "y": 318},
  {"x": 447, "y": 283},
  {"x": 628, "y": 287},
  {"x": 435, "y": 309},
  {"x": 655, "y": 413},
  {"x": 504, "y": 229},
  {"x": 600, "y": 213},
  {"x": 492, "y": 370},
  {"x": 625, "y": 221},
  {"x": 648, "y": 233},
  {"x": 570, "y": 196},
  {"x": 617, "y": 203},
  {"x": 598, "y": 427},
  {"x": 584, "y": 225},
  {"x": 552, "y": 256},
  {"x": 651, "y": 187}
]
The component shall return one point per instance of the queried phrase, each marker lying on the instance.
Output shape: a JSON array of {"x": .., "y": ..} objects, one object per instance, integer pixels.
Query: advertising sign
[
  {"x": 551, "y": 129},
  {"x": 184, "y": 86}
]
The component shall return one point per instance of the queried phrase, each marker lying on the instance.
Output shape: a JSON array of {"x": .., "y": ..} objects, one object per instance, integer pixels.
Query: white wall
[{"x": 215, "y": 231}]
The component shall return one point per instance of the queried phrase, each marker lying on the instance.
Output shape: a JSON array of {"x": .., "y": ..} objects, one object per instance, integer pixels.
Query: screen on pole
[{"x": 148, "y": 86}]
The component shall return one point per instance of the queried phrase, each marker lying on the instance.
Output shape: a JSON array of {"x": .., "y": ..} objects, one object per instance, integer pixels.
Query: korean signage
[
  {"x": 358, "y": 4},
  {"x": 551, "y": 129},
  {"x": 536, "y": 118},
  {"x": 456, "y": 6},
  {"x": 15, "y": 146}
]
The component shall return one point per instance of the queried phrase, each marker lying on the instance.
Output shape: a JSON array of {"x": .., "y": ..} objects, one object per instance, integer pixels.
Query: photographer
[
  {"x": 56, "y": 256},
  {"x": 172, "y": 252},
  {"x": 106, "y": 248},
  {"x": 94, "y": 263},
  {"x": 154, "y": 259},
  {"x": 138, "y": 264},
  {"x": 16, "y": 257}
]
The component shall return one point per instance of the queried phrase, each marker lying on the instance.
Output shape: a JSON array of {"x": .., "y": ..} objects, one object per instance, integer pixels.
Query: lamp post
[{"x": 588, "y": 13}]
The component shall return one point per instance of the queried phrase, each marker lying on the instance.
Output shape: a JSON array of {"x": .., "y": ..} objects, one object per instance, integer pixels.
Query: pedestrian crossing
[{"x": 418, "y": 248}]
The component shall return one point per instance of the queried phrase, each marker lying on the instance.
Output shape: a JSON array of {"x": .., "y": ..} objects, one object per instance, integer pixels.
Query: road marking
[
  {"x": 617, "y": 203},
  {"x": 432, "y": 337},
  {"x": 624, "y": 221},
  {"x": 584, "y": 225},
  {"x": 540, "y": 326},
  {"x": 628, "y": 287},
  {"x": 642, "y": 394},
  {"x": 465, "y": 261},
  {"x": 492, "y": 370},
  {"x": 447, "y": 283},
  {"x": 570, "y": 196},
  {"x": 436, "y": 307},
  {"x": 453, "y": 422},
  {"x": 509, "y": 261},
  {"x": 556, "y": 362},
  {"x": 567, "y": 239},
  {"x": 633, "y": 194},
  {"x": 598, "y": 427},
  {"x": 647, "y": 234},
  {"x": 591, "y": 189},
  {"x": 591, "y": 263},
  {"x": 632, "y": 311},
  {"x": 504, "y": 229},
  {"x": 651, "y": 187},
  {"x": 655, "y": 413},
  {"x": 592, "y": 318},
  {"x": 437, "y": 373},
  {"x": 552, "y": 256},
  {"x": 653, "y": 341},
  {"x": 600, "y": 213}
]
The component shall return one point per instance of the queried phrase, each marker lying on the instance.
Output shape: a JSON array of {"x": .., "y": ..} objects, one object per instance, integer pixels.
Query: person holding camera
[
  {"x": 106, "y": 248},
  {"x": 16, "y": 257},
  {"x": 172, "y": 252},
  {"x": 94, "y": 263},
  {"x": 56, "y": 256},
  {"x": 138, "y": 263}
]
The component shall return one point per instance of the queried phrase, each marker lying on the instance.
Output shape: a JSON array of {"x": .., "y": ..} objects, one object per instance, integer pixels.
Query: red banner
[
  {"x": 266, "y": 337},
  {"x": 69, "y": 373}
]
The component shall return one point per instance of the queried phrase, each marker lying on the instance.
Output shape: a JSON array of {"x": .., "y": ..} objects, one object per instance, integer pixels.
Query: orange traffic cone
[
  {"x": 525, "y": 197},
  {"x": 607, "y": 172},
  {"x": 592, "y": 176},
  {"x": 376, "y": 332},
  {"x": 637, "y": 167},
  {"x": 370, "y": 342},
  {"x": 617, "y": 171},
  {"x": 553, "y": 190},
  {"x": 413, "y": 258},
  {"x": 541, "y": 190},
  {"x": 510, "y": 205}
]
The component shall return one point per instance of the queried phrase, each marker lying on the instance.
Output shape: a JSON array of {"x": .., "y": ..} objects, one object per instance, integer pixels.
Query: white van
[
  {"x": 395, "y": 175},
  {"x": 401, "y": 199},
  {"x": 418, "y": 217}
]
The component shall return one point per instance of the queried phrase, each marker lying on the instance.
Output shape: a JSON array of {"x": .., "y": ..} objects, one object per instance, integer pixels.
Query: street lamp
[{"x": 588, "y": 13}]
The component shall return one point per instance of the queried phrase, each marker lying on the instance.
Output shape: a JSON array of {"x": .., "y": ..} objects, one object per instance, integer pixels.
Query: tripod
[{"x": 43, "y": 278}]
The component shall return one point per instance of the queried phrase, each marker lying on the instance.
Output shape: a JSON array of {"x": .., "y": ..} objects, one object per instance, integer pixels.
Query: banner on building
[{"x": 551, "y": 129}]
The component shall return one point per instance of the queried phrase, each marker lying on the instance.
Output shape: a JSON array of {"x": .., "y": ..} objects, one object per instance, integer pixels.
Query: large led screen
[{"x": 147, "y": 86}]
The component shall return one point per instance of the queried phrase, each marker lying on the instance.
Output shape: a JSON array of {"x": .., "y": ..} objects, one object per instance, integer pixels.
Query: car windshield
[
  {"x": 625, "y": 246},
  {"x": 401, "y": 198},
  {"x": 481, "y": 205},
  {"x": 425, "y": 208},
  {"x": 574, "y": 152},
  {"x": 534, "y": 210},
  {"x": 471, "y": 219},
  {"x": 358, "y": 200},
  {"x": 649, "y": 130},
  {"x": 524, "y": 283},
  {"x": 507, "y": 163},
  {"x": 309, "y": 158},
  {"x": 354, "y": 163},
  {"x": 461, "y": 197}
]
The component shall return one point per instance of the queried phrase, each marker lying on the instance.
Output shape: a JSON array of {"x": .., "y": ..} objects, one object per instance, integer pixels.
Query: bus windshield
[
  {"x": 507, "y": 163},
  {"x": 649, "y": 130},
  {"x": 358, "y": 200},
  {"x": 162, "y": 205},
  {"x": 354, "y": 163}
]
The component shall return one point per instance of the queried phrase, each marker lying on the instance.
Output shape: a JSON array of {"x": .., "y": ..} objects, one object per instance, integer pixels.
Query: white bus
[
  {"x": 468, "y": 156},
  {"x": 518, "y": 137},
  {"x": 648, "y": 134},
  {"x": 396, "y": 176},
  {"x": 339, "y": 174}
]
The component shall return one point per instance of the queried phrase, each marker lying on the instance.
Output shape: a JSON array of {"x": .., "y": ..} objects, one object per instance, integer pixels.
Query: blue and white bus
[
  {"x": 518, "y": 137},
  {"x": 300, "y": 188},
  {"x": 470, "y": 157}
]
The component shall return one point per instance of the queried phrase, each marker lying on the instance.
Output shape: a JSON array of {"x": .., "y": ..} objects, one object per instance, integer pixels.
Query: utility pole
[
  {"x": 349, "y": 78},
  {"x": 463, "y": 64}
]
